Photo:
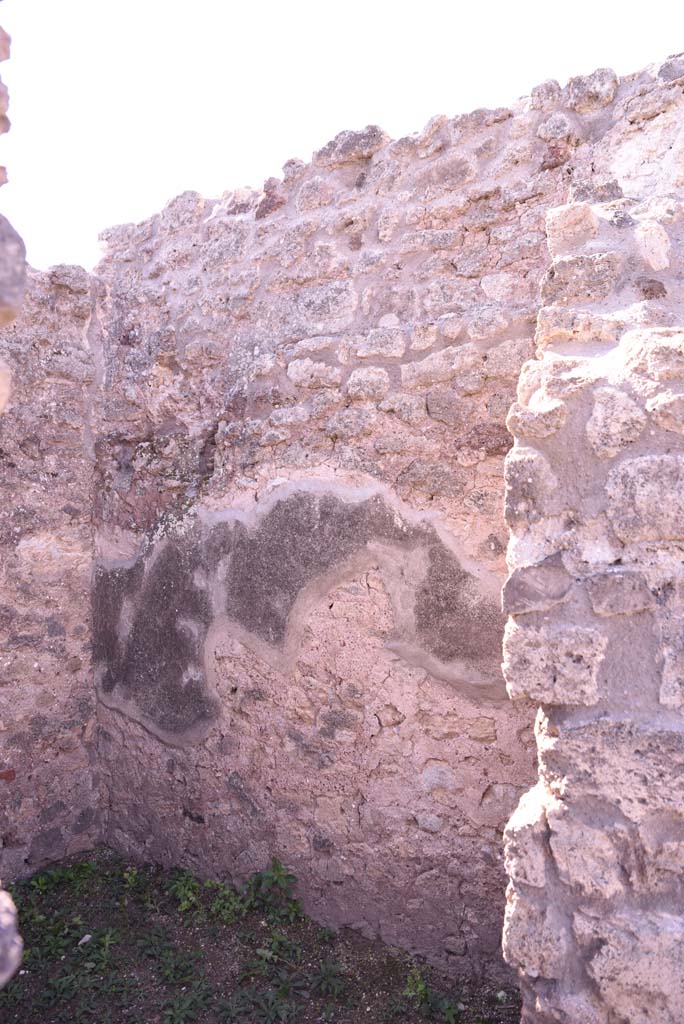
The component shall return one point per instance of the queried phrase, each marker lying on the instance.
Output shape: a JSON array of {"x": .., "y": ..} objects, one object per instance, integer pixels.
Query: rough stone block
[
  {"x": 624, "y": 764},
  {"x": 589, "y": 93},
  {"x": 553, "y": 666},
  {"x": 653, "y": 243},
  {"x": 667, "y": 409},
  {"x": 581, "y": 278},
  {"x": 619, "y": 593},
  {"x": 447, "y": 364},
  {"x": 585, "y": 857},
  {"x": 655, "y": 352},
  {"x": 646, "y": 498},
  {"x": 307, "y": 373},
  {"x": 535, "y": 937},
  {"x": 616, "y": 421},
  {"x": 385, "y": 342},
  {"x": 557, "y": 325},
  {"x": 526, "y": 850},
  {"x": 543, "y": 420},
  {"x": 531, "y": 487},
  {"x": 536, "y": 588},
  {"x": 570, "y": 226},
  {"x": 636, "y": 958},
  {"x": 368, "y": 383}
]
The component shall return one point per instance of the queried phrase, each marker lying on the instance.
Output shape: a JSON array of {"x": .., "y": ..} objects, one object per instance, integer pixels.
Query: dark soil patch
[{"x": 111, "y": 944}]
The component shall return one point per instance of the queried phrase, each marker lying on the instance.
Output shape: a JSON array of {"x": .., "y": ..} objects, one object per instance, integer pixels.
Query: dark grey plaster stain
[{"x": 151, "y": 620}]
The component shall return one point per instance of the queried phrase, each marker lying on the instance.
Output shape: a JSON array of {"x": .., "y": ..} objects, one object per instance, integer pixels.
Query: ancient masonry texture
[
  {"x": 12, "y": 282},
  {"x": 253, "y": 543}
]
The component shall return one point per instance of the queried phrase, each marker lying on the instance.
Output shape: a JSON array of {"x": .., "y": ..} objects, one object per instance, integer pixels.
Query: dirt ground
[{"x": 109, "y": 943}]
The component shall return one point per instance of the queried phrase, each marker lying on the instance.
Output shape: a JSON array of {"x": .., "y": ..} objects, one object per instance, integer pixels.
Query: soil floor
[{"x": 111, "y": 943}]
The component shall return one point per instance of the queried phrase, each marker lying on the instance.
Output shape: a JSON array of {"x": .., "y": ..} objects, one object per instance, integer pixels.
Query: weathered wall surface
[
  {"x": 12, "y": 281},
  {"x": 300, "y": 544},
  {"x": 595, "y": 918},
  {"x": 281, "y": 434},
  {"x": 47, "y": 704}
]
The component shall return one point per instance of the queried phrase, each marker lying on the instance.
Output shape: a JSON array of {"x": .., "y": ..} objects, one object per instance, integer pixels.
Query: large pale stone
[
  {"x": 631, "y": 766},
  {"x": 570, "y": 226},
  {"x": 551, "y": 665},
  {"x": 616, "y": 421},
  {"x": 646, "y": 498},
  {"x": 582, "y": 279},
  {"x": 636, "y": 958},
  {"x": 535, "y": 937}
]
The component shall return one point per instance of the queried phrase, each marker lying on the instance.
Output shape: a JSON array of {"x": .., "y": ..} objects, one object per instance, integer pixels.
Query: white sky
[{"x": 118, "y": 106}]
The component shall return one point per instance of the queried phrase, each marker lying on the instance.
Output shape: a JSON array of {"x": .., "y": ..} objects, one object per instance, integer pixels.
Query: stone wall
[
  {"x": 270, "y": 446},
  {"x": 300, "y": 545},
  {"x": 47, "y": 703},
  {"x": 12, "y": 280},
  {"x": 595, "y": 918}
]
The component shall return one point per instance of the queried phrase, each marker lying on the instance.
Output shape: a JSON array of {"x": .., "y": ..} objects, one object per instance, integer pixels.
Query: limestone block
[
  {"x": 616, "y": 421},
  {"x": 560, "y": 127},
  {"x": 10, "y": 942},
  {"x": 589, "y": 93},
  {"x": 635, "y": 768},
  {"x": 487, "y": 324},
  {"x": 444, "y": 365},
  {"x": 570, "y": 226},
  {"x": 536, "y": 588},
  {"x": 504, "y": 287},
  {"x": 553, "y": 666},
  {"x": 636, "y": 958},
  {"x": 351, "y": 146},
  {"x": 307, "y": 373},
  {"x": 545, "y": 419},
  {"x": 655, "y": 352},
  {"x": 581, "y": 278},
  {"x": 586, "y": 858},
  {"x": 672, "y": 69},
  {"x": 619, "y": 593},
  {"x": 535, "y": 938},
  {"x": 506, "y": 358},
  {"x": 667, "y": 409},
  {"x": 531, "y": 486},
  {"x": 408, "y": 408},
  {"x": 368, "y": 383},
  {"x": 558, "y": 325},
  {"x": 386, "y": 342},
  {"x": 653, "y": 243},
  {"x": 314, "y": 193},
  {"x": 526, "y": 839},
  {"x": 646, "y": 498},
  {"x": 423, "y": 336}
]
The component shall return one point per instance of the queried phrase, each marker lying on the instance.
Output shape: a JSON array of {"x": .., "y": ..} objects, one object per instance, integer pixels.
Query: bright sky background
[{"x": 118, "y": 106}]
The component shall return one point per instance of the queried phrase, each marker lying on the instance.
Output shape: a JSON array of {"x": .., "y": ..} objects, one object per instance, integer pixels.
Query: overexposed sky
[{"x": 118, "y": 106}]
